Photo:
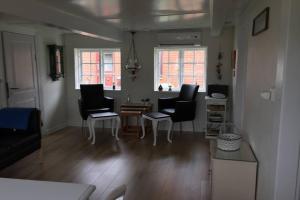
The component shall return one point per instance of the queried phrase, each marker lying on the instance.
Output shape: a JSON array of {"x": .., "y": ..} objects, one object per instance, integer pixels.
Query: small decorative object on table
[
  {"x": 229, "y": 142},
  {"x": 170, "y": 88},
  {"x": 114, "y": 86},
  {"x": 160, "y": 88}
]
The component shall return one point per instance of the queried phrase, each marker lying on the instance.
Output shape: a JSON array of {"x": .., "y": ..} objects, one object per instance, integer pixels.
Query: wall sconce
[{"x": 132, "y": 63}]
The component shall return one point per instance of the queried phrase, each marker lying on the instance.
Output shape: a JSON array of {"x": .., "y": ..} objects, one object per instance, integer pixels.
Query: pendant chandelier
[{"x": 132, "y": 63}]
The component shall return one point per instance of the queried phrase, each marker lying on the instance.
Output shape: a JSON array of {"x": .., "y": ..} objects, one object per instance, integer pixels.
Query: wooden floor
[{"x": 175, "y": 171}]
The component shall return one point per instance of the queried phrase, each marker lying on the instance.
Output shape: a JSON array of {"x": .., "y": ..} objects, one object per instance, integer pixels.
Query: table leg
[
  {"x": 154, "y": 127},
  {"x": 169, "y": 131},
  {"x": 143, "y": 127},
  {"x": 117, "y": 127}
]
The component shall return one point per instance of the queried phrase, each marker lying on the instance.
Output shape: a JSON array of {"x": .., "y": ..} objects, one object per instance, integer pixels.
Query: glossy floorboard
[{"x": 174, "y": 171}]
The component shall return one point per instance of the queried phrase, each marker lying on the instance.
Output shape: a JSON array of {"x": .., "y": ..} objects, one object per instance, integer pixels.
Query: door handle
[{"x": 14, "y": 88}]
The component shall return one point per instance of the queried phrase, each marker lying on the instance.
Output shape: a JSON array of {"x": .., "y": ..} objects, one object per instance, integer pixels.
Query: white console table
[
  {"x": 233, "y": 174},
  {"x": 13, "y": 189}
]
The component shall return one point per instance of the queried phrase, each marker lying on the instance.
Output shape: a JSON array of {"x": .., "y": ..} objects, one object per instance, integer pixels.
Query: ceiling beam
[
  {"x": 39, "y": 12},
  {"x": 219, "y": 12}
]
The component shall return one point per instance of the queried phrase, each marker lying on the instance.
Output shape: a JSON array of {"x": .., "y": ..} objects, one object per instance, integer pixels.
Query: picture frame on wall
[
  {"x": 261, "y": 22},
  {"x": 56, "y": 62}
]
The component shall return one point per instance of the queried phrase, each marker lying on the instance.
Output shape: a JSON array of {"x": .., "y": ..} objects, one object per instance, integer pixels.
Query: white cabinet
[
  {"x": 215, "y": 116},
  {"x": 233, "y": 174}
]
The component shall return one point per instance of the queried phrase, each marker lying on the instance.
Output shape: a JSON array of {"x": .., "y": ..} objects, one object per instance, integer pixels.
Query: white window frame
[
  {"x": 77, "y": 60},
  {"x": 181, "y": 75}
]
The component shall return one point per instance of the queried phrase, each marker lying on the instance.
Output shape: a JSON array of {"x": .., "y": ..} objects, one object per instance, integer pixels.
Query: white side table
[
  {"x": 92, "y": 118},
  {"x": 156, "y": 117}
]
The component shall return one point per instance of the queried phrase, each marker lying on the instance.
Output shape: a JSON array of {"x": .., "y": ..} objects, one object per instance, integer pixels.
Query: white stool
[
  {"x": 92, "y": 118},
  {"x": 156, "y": 117}
]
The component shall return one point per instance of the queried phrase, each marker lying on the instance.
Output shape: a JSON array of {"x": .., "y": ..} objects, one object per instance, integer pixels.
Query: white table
[
  {"x": 92, "y": 118},
  {"x": 17, "y": 189},
  {"x": 156, "y": 117}
]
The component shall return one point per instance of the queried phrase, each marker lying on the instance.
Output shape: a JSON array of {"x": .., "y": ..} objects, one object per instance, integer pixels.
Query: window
[
  {"x": 95, "y": 66},
  {"x": 175, "y": 66}
]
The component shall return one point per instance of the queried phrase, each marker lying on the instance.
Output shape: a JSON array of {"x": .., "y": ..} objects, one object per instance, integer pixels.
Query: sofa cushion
[
  {"x": 15, "y": 118},
  {"x": 17, "y": 140}
]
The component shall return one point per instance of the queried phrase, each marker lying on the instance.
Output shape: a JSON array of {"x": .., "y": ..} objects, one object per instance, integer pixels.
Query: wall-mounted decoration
[
  {"x": 219, "y": 65},
  {"x": 132, "y": 63},
  {"x": 56, "y": 62},
  {"x": 261, "y": 22}
]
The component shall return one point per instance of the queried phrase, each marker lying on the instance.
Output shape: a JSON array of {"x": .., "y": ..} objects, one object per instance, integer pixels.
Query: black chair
[
  {"x": 93, "y": 101},
  {"x": 183, "y": 107}
]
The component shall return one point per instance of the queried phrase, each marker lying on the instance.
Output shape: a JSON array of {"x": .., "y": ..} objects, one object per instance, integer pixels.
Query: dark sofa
[{"x": 16, "y": 144}]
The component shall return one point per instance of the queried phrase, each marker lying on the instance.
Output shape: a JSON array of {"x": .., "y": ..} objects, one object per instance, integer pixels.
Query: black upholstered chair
[
  {"x": 183, "y": 107},
  {"x": 93, "y": 101}
]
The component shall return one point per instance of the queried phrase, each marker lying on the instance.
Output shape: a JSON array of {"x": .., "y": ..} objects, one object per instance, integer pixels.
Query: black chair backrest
[
  {"x": 92, "y": 96},
  {"x": 188, "y": 92}
]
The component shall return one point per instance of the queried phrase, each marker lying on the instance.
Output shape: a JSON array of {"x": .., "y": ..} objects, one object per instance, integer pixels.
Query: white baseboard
[{"x": 56, "y": 128}]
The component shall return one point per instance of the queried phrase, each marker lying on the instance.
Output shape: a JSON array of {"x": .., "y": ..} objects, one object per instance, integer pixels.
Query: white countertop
[{"x": 15, "y": 189}]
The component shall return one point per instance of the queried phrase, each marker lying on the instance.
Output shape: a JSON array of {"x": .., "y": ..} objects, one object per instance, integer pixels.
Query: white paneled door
[{"x": 21, "y": 71}]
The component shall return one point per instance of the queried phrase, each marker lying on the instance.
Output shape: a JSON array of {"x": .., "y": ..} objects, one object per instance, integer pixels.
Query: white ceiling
[{"x": 139, "y": 14}]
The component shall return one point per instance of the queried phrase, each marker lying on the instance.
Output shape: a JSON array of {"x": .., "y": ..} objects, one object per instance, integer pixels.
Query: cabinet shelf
[{"x": 215, "y": 116}]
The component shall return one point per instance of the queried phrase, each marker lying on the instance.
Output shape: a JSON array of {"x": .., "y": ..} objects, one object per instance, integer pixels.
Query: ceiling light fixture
[{"x": 132, "y": 63}]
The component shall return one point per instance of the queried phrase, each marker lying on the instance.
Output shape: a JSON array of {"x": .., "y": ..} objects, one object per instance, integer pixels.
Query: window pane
[
  {"x": 164, "y": 56},
  {"x": 200, "y": 81},
  {"x": 85, "y": 57},
  {"x": 108, "y": 80},
  {"x": 199, "y": 69},
  {"x": 188, "y": 57},
  {"x": 174, "y": 69},
  {"x": 199, "y": 56},
  {"x": 117, "y": 57},
  {"x": 108, "y": 58},
  {"x": 173, "y": 56},
  {"x": 86, "y": 69},
  {"x": 118, "y": 82},
  {"x": 108, "y": 67},
  {"x": 95, "y": 57},
  {"x": 117, "y": 69},
  {"x": 94, "y": 69},
  {"x": 188, "y": 69},
  {"x": 188, "y": 80},
  {"x": 174, "y": 82},
  {"x": 163, "y": 79}
]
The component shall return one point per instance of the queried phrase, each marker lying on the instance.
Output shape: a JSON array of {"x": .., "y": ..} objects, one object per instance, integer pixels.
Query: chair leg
[
  {"x": 117, "y": 128},
  {"x": 143, "y": 127},
  {"x": 169, "y": 131},
  {"x": 154, "y": 126}
]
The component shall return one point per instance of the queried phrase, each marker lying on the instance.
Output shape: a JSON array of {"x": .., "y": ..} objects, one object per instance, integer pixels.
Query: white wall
[
  {"x": 265, "y": 123},
  {"x": 289, "y": 137},
  {"x": 143, "y": 86},
  {"x": 52, "y": 94}
]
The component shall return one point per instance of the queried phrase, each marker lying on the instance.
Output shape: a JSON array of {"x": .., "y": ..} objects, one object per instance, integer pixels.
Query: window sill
[
  {"x": 175, "y": 91},
  {"x": 108, "y": 90}
]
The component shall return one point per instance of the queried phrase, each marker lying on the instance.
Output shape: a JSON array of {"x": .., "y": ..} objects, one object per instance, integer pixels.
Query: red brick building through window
[
  {"x": 176, "y": 66},
  {"x": 95, "y": 66}
]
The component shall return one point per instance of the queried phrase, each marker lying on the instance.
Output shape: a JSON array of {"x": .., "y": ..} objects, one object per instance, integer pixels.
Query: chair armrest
[
  {"x": 109, "y": 102},
  {"x": 168, "y": 102},
  {"x": 185, "y": 109}
]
